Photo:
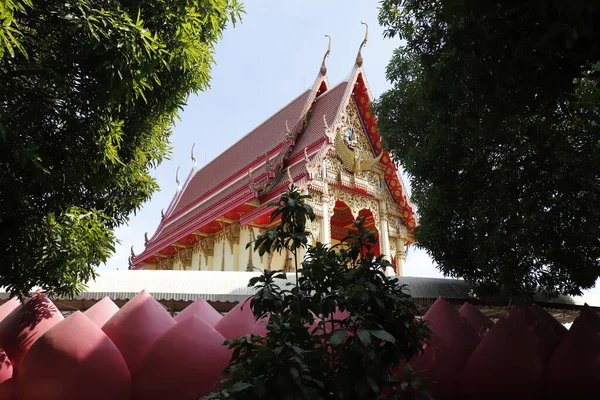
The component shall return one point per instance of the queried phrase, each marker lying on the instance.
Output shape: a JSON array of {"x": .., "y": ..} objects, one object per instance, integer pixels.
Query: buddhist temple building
[{"x": 326, "y": 143}]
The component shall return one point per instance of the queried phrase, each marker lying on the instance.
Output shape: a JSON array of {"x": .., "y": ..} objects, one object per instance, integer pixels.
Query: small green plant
[{"x": 337, "y": 333}]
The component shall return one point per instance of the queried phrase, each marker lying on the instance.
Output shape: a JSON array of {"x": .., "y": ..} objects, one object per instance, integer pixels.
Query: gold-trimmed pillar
[
  {"x": 384, "y": 234},
  {"x": 400, "y": 256}
]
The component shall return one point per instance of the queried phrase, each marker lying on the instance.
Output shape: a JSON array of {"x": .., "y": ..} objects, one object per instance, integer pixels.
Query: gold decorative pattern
[
  {"x": 354, "y": 160},
  {"x": 400, "y": 254},
  {"x": 232, "y": 233},
  {"x": 270, "y": 260},
  {"x": 185, "y": 257},
  {"x": 392, "y": 245},
  {"x": 250, "y": 250},
  {"x": 223, "y": 258},
  {"x": 313, "y": 202},
  {"x": 256, "y": 186},
  {"x": 355, "y": 202},
  {"x": 335, "y": 169},
  {"x": 287, "y": 265},
  {"x": 207, "y": 247},
  {"x": 165, "y": 264},
  {"x": 314, "y": 227}
]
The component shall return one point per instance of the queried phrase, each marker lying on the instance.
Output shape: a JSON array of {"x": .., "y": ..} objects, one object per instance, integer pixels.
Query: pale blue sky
[{"x": 261, "y": 65}]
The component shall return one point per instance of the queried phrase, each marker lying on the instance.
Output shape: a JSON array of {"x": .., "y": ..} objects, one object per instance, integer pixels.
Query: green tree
[
  {"x": 337, "y": 334},
  {"x": 494, "y": 114},
  {"x": 88, "y": 92}
]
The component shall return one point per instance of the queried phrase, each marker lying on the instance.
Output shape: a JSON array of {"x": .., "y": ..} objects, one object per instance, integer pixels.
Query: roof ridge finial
[
  {"x": 359, "y": 58},
  {"x": 323, "y": 66},
  {"x": 192, "y": 154},
  {"x": 177, "y": 178}
]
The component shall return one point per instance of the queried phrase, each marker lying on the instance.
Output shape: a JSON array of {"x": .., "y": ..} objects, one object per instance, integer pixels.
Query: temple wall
[
  {"x": 526, "y": 355},
  {"x": 220, "y": 256},
  {"x": 197, "y": 260}
]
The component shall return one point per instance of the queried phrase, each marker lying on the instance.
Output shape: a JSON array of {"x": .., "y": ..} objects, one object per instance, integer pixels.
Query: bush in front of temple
[{"x": 338, "y": 333}]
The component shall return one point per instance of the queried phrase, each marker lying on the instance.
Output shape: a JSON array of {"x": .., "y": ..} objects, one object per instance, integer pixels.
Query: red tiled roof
[
  {"x": 327, "y": 104},
  {"x": 248, "y": 149},
  {"x": 219, "y": 176}
]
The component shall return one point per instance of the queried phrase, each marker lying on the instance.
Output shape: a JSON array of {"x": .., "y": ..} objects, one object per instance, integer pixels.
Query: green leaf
[
  {"x": 383, "y": 335},
  {"x": 364, "y": 336},
  {"x": 337, "y": 337}
]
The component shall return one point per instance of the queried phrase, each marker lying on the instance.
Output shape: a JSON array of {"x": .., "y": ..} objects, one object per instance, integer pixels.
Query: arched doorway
[
  {"x": 341, "y": 222},
  {"x": 371, "y": 225}
]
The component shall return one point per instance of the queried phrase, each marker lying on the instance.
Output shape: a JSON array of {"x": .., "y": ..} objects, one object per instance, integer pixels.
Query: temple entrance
[
  {"x": 372, "y": 226},
  {"x": 341, "y": 222}
]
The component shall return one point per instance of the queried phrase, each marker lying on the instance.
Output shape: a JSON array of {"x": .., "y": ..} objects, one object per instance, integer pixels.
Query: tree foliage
[
  {"x": 336, "y": 334},
  {"x": 494, "y": 114},
  {"x": 88, "y": 92}
]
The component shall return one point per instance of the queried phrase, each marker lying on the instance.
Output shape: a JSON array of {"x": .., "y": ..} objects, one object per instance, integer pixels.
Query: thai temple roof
[{"x": 287, "y": 147}]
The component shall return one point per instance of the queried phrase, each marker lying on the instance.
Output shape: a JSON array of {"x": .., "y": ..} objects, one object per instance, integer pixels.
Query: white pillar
[
  {"x": 384, "y": 234},
  {"x": 400, "y": 256},
  {"x": 325, "y": 221}
]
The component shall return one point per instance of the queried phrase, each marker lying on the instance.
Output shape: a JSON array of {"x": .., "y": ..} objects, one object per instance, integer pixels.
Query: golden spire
[
  {"x": 323, "y": 66},
  {"x": 359, "y": 59}
]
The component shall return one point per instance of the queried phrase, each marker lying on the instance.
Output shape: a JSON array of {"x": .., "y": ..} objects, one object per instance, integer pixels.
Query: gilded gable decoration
[{"x": 352, "y": 146}]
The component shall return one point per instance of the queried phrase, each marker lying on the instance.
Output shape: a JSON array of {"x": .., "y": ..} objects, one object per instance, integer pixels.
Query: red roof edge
[{"x": 158, "y": 243}]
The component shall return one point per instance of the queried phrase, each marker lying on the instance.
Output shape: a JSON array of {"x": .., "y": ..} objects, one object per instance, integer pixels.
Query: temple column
[
  {"x": 384, "y": 235},
  {"x": 400, "y": 256},
  {"x": 326, "y": 220}
]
